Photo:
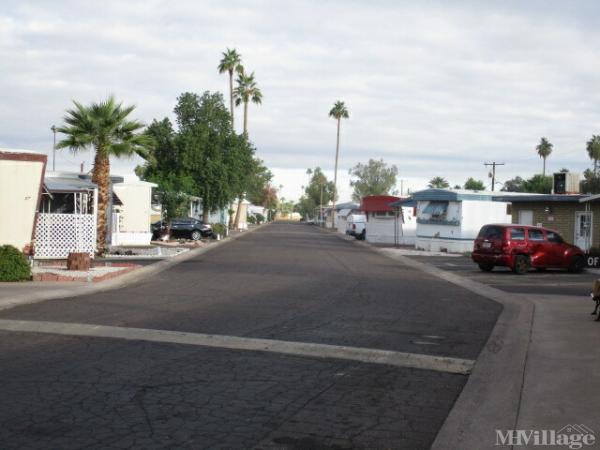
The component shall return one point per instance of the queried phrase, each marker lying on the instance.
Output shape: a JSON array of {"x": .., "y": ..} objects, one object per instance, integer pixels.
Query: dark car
[
  {"x": 182, "y": 227},
  {"x": 521, "y": 247}
]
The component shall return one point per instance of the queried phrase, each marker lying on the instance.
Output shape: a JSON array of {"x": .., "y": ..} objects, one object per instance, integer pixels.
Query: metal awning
[
  {"x": 344, "y": 212},
  {"x": 67, "y": 185}
]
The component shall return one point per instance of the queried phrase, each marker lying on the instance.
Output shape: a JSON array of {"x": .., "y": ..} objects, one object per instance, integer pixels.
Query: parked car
[
  {"x": 183, "y": 227},
  {"x": 521, "y": 247},
  {"x": 355, "y": 226}
]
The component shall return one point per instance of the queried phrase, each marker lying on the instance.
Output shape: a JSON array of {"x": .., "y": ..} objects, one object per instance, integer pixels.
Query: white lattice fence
[{"x": 56, "y": 235}]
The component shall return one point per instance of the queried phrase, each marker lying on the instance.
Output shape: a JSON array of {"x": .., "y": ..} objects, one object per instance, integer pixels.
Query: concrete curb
[
  {"x": 492, "y": 396},
  {"x": 121, "y": 281}
]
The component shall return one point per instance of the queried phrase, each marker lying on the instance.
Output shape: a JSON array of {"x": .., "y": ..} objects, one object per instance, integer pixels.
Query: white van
[{"x": 355, "y": 225}]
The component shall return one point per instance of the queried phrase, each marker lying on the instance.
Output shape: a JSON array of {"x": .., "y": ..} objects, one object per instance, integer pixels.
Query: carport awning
[{"x": 344, "y": 212}]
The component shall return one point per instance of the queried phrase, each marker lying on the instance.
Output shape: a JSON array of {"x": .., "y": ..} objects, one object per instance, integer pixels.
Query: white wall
[
  {"x": 472, "y": 214},
  {"x": 136, "y": 209},
  {"x": 19, "y": 192}
]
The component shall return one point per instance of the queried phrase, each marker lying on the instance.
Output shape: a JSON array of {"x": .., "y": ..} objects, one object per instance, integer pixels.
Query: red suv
[{"x": 521, "y": 247}]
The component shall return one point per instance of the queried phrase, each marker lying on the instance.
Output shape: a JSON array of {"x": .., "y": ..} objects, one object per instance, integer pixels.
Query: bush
[
  {"x": 13, "y": 264},
  {"x": 260, "y": 218},
  {"x": 251, "y": 220},
  {"x": 218, "y": 228}
]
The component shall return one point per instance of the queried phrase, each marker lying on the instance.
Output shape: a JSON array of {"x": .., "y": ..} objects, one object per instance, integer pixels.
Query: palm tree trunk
[
  {"x": 595, "y": 167},
  {"x": 246, "y": 118},
  {"x": 236, "y": 223},
  {"x": 231, "y": 98},
  {"x": 337, "y": 153},
  {"x": 544, "y": 170},
  {"x": 101, "y": 176}
]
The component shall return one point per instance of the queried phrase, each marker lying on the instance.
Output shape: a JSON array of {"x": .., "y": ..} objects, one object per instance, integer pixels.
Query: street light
[{"x": 53, "y": 128}]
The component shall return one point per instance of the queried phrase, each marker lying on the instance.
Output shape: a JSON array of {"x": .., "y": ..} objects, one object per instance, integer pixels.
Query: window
[
  {"x": 536, "y": 235},
  {"x": 437, "y": 210},
  {"x": 554, "y": 237},
  {"x": 517, "y": 234},
  {"x": 491, "y": 232}
]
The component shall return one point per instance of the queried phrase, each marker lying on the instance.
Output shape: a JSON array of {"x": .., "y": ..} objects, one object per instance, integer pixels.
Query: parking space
[{"x": 548, "y": 282}]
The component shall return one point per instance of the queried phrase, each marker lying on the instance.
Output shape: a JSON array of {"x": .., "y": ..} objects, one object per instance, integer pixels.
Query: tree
[
  {"x": 544, "y": 148},
  {"x": 230, "y": 63},
  {"x": 245, "y": 92},
  {"x": 514, "y": 185},
  {"x": 338, "y": 112},
  {"x": 593, "y": 149},
  {"x": 538, "y": 184},
  {"x": 373, "y": 178},
  {"x": 590, "y": 183},
  {"x": 318, "y": 192},
  {"x": 439, "y": 182},
  {"x": 204, "y": 157},
  {"x": 474, "y": 185},
  {"x": 105, "y": 127}
]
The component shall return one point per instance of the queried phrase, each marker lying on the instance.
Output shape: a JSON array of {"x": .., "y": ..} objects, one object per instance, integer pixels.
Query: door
[
  {"x": 583, "y": 230},
  {"x": 526, "y": 217}
]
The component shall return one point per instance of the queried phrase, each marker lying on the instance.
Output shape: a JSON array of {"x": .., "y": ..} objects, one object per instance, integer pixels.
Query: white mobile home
[
  {"x": 132, "y": 218},
  {"x": 343, "y": 210},
  {"x": 449, "y": 220},
  {"x": 387, "y": 224}
]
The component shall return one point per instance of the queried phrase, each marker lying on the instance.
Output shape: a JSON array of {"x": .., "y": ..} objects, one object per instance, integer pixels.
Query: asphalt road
[{"x": 284, "y": 282}]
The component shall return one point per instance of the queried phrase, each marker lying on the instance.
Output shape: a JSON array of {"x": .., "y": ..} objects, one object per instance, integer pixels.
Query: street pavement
[{"x": 290, "y": 287}]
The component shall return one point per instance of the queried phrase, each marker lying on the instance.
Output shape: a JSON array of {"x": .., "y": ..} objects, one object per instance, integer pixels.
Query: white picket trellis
[{"x": 56, "y": 235}]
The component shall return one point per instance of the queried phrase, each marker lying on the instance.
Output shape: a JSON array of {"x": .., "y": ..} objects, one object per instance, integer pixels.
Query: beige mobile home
[{"x": 21, "y": 177}]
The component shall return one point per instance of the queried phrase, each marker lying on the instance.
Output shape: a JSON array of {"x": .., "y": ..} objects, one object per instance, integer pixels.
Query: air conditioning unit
[{"x": 565, "y": 183}]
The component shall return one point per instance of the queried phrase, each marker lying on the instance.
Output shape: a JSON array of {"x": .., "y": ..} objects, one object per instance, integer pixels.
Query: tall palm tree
[
  {"x": 230, "y": 63},
  {"x": 593, "y": 149},
  {"x": 105, "y": 128},
  {"x": 245, "y": 92},
  {"x": 438, "y": 183},
  {"x": 544, "y": 148},
  {"x": 338, "y": 112}
]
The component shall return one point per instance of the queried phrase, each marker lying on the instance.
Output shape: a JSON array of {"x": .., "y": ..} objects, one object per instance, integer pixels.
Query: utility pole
[
  {"x": 402, "y": 187},
  {"x": 53, "y": 128},
  {"x": 493, "y": 164}
]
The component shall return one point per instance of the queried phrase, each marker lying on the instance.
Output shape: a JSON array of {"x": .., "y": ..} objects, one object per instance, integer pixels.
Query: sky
[{"x": 434, "y": 87}]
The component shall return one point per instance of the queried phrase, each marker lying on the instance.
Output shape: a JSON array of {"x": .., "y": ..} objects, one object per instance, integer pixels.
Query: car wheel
[
  {"x": 486, "y": 267},
  {"x": 577, "y": 264},
  {"x": 521, "y": 265},
  {"x": 196, "y": 235}
]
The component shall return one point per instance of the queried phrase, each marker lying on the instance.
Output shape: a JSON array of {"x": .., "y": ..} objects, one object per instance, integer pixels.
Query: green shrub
[
  {"x": 252, "y": 220},
  {"x": 218, "y": 228},
  {"x": 13, "y": 264},
  {"x": 260, "y": 218}
]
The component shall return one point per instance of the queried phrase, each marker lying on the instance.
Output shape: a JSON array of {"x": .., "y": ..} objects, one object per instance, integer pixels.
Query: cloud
[{"x": 435, "y": 88}]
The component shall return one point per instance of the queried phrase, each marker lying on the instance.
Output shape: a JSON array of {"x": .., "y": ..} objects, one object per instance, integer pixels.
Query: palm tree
[
  {"x": 338, "y": 112},
  {"x": 231, "y": 62},
  {"x": 245, "y": 92},
  {"x": 104, "y": 127},
  {"x": 593, "y": 149},
  {"x": 439, "y": 183},
  {"x": 544, "y": 149}
]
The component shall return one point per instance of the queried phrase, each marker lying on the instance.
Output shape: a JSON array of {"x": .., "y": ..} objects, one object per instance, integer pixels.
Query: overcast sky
[{"x": 436, "y": 88}]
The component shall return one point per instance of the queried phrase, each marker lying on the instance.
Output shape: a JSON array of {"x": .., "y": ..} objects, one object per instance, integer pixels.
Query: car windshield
[{"x": 491, "y": 232}]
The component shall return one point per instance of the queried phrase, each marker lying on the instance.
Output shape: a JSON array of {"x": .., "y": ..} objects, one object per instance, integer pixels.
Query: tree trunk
[
  {"x": 595, "y": 167},
  {"x": 544, "y": 170},
  {"x": 101, "y": 176},
  {"x": 246, "y": 118},
  {"x": 231, "y": 98},
  {"x": 337, "y": 153},
  {"x": 205, "y": 210},
  {"x": 236, "y": 223}
]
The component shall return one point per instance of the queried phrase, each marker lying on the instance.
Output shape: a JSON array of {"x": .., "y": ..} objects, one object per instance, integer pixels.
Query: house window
[{"x": 436, "y": 210}]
